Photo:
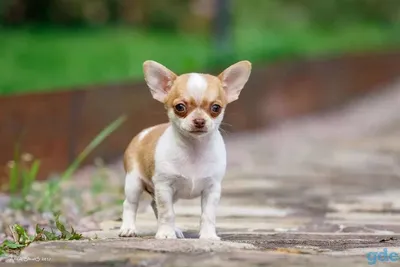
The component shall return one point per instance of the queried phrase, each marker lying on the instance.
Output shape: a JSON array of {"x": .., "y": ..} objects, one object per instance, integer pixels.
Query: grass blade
[
  {"x": 34, "y": 171},
  {"x": 48, "y": 200},
  {"x": 14, "y": 172},
  {"x": 92, "y": 145},
  {"x": 30, "y": 177},
  {"x": 24, "y": 183}
]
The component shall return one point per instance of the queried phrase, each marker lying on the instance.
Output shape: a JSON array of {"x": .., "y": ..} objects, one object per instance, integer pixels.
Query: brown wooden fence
[{"x": 56, "y": 126}]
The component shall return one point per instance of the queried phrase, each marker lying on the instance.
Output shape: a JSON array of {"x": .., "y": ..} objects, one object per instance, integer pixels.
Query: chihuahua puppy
[{"x": 185, "y": 158}]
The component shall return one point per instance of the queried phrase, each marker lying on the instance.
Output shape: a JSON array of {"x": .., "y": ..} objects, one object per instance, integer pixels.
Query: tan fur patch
[{"x": 141, "y": 151}]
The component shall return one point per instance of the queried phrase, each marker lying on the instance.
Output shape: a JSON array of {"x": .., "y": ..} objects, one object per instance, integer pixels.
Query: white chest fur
[{"x": 188, "y": 165}]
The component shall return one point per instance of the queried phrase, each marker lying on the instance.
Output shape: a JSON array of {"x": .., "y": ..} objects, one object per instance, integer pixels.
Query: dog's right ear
[{"x": 159, "y": 79}]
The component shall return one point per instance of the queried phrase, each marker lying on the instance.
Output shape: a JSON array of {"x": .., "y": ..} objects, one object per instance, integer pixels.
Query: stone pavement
[{"x": 318, "y": 191}]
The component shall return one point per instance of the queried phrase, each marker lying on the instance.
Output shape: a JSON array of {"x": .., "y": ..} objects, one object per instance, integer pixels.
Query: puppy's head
[{"x": 196, "y": 102}]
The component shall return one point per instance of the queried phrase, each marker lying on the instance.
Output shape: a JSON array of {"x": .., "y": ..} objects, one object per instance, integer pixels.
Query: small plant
[
  {"x": 23, "y": 172},
  {"x": 22, "y": 239},
  {"x": 8, "y": 247},
  {"x": 52, "y": 190},
  {"x": 22, "y": 176}
]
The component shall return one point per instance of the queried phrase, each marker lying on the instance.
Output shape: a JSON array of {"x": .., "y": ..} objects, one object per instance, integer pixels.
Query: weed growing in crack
[{"x": 22, "y": 239}]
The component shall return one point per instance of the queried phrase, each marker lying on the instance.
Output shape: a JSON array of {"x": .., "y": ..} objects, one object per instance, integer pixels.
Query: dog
[{"x": 186, "y": 157}]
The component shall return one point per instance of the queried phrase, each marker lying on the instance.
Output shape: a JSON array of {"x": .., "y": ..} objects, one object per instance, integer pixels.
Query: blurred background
[
  {"x": 69, "y": 69},
  {"x": 52, "y": 44}
]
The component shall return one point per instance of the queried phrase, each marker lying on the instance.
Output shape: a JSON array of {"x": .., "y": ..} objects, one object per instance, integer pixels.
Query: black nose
[{"x": 199, "y": 123}]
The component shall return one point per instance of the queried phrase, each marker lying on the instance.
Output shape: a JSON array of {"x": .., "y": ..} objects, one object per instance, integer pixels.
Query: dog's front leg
[
  {"x": 164, "y": 195},
  {"x": 209, "y": 203}
]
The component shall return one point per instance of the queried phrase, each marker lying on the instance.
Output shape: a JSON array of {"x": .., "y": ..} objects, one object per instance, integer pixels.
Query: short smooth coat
[
  {"x": 189, "y": 168},
  {"x": 182, "y": 158}
]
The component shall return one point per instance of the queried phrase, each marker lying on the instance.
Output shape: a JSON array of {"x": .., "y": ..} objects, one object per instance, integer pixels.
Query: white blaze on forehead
[{"x": 197, "y": 86}]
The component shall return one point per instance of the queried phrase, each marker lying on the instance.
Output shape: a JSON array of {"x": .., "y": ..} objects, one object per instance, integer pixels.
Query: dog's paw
[
  {"x": 127, "y": 231},
  {"x": 209, "y": 236},
  {"x": 179, "y": 233},
  {"x": 166, "y": 233}
]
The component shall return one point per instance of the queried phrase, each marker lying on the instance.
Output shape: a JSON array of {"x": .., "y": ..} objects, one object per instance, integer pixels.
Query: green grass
[
  {"x": 309, "y": 41},
  {"x": 57, "y": 59},
  {"x": 36, "y": 61},
  {"x": 23, "y": 173},
  {"x": 25, "y": 197}
]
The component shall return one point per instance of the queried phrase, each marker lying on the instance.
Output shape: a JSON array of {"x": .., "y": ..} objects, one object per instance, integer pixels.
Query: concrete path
[{"x": 320, "y": 191}]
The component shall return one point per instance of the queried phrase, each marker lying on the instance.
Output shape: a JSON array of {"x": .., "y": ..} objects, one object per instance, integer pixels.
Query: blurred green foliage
[
  {"x": 166, "y": 13},
  {"x": 160, "y": 14},
  {"x": 325, "y": 14},
  {"x": 41, "y": 60},
  {"x": 50, "y": 44}
]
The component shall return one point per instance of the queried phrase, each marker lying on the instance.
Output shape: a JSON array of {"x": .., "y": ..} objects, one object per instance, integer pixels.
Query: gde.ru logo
[{"x": 383, "y": 256}]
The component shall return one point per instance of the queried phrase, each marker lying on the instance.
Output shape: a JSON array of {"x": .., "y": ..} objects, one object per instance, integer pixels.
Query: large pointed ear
[
  {"x": 234, "y": 78},
  {"x": 158, "y": 78}
]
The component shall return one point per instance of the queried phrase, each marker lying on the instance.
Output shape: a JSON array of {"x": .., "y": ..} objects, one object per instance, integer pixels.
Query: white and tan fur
[{"x": 185, "y": 158}]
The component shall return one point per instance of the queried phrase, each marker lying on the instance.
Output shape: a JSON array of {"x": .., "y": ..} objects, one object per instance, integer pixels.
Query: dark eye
[
  {"x": 216, "y": 108},
  {"x": 180, "y": 108}
]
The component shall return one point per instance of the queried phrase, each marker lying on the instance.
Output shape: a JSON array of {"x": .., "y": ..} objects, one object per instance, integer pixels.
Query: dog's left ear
[{"x": 234, "y": 78}]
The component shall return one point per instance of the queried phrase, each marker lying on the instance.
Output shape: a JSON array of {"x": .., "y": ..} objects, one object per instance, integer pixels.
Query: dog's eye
[
  {"x": 180, "y": 108},
  {"x": 216, "y": 108}
]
